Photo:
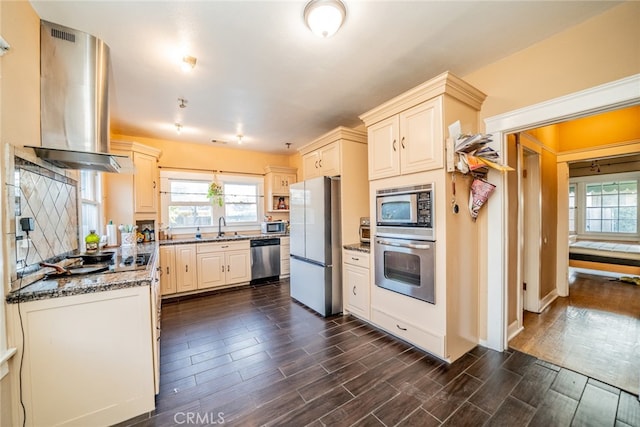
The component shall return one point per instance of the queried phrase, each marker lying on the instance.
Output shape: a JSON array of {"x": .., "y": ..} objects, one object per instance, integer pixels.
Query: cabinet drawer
[
  {"x": 407, "y": 331},
  {"x": 361, "y": 259},
  {"x": 204, "y": 248}
]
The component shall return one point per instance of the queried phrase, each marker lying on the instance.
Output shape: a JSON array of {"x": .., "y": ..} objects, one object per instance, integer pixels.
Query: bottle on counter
[{"x": 92, "y": 241}]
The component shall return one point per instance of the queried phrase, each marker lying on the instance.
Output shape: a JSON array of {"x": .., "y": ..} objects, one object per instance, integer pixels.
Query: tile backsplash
[{"x": 51, "y": 199}]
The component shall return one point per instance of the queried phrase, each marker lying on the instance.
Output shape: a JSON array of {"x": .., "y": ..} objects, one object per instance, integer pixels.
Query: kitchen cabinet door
[
  {"x": 145, "y": 183},
  {"x": 238, "y": 268},
  {"x": 330, "y": 160},
  {"x": 186, "y": 270},
  {"x": 211, "y": 270},
  {"x": 384, "y": 154},
  {"x": 356, "y": 282},
  {"x": 421, "y": 141},
  {"x": 311, "y": 165},
  {"x": 167, "y": 270}
]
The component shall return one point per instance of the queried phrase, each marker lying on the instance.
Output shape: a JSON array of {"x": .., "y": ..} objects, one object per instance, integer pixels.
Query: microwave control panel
[{"x": 425, "y": 209}]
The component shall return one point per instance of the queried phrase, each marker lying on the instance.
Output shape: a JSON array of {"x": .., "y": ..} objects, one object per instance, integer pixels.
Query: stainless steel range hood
[{"x": 74, "y": 103}]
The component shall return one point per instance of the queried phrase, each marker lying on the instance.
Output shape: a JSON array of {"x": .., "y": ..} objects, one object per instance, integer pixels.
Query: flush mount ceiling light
[
  {"x": 188, "y": 63},
  {"x": 178, "y": 128},
  {"x": 324, "y": 17},
  {"x": 239, "y": 139}
]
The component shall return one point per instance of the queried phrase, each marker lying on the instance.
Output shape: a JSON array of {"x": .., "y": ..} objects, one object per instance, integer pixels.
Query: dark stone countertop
[
  {"x": 89, "y": 283},
  {"x": 225, "y": 238},
  {"x": 359, "y": 247}
]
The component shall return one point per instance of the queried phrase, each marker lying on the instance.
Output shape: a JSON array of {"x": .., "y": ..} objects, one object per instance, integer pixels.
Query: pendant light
[{"x": 324, "y": 17}]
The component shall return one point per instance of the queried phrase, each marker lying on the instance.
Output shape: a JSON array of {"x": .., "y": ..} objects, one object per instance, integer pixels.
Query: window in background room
[
  {"x": 572, "y": 209},
  {"x": 611, "y": 207},
  {"x": 90, "y": 202}
]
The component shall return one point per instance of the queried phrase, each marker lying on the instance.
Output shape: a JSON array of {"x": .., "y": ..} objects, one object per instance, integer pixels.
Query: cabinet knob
[
  {"x": 394, "y": 145},
  {"x": 402, "y": 142}
]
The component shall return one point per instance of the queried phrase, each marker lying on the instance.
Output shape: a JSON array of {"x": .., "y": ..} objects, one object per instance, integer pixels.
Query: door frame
[
  {"x": 530, "y": 239},
  {"x": 609, "y": 96}
]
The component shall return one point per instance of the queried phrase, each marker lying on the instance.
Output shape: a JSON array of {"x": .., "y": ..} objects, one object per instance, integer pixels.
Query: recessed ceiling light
[
  {"x": 324, "y": 17},
  {"x": 188, "y": 62}
]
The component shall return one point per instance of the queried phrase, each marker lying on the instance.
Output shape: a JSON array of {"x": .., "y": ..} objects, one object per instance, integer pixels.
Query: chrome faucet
[{"x": 224, "y": 221}]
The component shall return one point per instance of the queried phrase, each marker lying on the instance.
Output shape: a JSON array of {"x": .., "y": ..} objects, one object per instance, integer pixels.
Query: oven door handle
[{"x": 403, "y": 245}]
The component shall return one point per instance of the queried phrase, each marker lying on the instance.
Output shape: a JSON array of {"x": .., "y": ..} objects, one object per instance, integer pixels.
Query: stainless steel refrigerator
[{"x": 316, "y": 277}]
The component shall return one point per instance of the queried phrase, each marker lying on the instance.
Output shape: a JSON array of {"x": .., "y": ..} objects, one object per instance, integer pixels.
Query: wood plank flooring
[
  {"x": 252, "y": 357},
  {"x": 594, "y": 331}
]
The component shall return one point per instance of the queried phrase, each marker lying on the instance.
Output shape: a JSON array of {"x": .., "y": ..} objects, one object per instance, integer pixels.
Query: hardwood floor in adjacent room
[
  {"x": 252, "y": 357},
  {"x": 594, "y": 331}
]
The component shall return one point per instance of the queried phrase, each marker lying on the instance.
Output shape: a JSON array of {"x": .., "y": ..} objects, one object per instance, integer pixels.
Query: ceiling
[{"x": 261, "y": 73}]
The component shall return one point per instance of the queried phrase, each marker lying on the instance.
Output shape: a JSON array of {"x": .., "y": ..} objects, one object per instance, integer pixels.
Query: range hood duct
[{"x": 74, "y": 104}]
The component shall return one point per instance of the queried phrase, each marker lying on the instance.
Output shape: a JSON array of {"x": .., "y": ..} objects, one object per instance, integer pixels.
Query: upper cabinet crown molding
[
  {"x": 339, "y": 133},
  {"x": 445, "y": 83},
  {"x": 135, "y": 146}
]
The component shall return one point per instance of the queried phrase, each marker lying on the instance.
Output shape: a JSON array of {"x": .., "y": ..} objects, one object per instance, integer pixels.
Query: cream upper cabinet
[
  {"x": 277, "y": 181},
  {"x": 145, "y": 182},
  {"x": 324, "y": 161},
  {"x": 408, "y": 142}
]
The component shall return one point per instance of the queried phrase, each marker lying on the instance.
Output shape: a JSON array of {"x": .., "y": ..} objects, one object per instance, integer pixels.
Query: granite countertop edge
[
  {"x": 225, "y": 238},
  {"x": 87, "y": 284},
  {"x": 359, "y": 247}
]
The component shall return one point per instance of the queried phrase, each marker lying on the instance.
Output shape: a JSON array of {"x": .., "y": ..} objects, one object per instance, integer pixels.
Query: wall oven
[
  {"x": 406, "y": 266},
  {"x": 404, "y": 244},
  {"x": 405, "y": 211}
]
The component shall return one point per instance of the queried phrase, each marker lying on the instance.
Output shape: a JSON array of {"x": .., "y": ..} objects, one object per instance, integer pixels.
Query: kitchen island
[{"x": 90, "y": 346}]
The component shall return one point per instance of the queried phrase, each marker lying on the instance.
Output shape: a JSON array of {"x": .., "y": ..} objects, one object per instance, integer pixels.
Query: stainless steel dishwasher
[{"x": 265, "y": 259}]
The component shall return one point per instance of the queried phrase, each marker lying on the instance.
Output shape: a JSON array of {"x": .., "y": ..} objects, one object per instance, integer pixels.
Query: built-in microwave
[
  {"x": 405, "y": 211},
  {"x": 273, "y": 227},
  {"x": 365, "y": 230}
]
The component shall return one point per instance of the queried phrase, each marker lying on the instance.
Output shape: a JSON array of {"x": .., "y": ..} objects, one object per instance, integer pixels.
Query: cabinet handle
[
  {"x": 316, "y": 164},
  {"x": 223, "y": 268},
  {"x": 167, "y": 269},
  {"x": 402, "y": 142},
  {"x": 355, "y": 259},
  {"x": 400, "y": 327},
  {"x": 186, "y": 268},
  {"x": 282, "y": 183},
  {"x": 354, "y": 290},
  {"x": 225, "y": 246},
  {"x": 320, "y": 162},
  {"x": 154, "y": 184},
  {"x": 394, "y": 145},
  {"x": 228, "y": 268}
]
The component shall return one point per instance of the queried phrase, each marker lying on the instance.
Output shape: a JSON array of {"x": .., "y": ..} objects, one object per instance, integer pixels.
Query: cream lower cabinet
[
  {"x": 285, "y": 262},
  {"x": 88, "y": 359},
  {"x": 186, "y": 276},
  {"x": 168, "y": 270},
  {"x": 222, "y": 264},
  {"x": 356, "y": 283}
]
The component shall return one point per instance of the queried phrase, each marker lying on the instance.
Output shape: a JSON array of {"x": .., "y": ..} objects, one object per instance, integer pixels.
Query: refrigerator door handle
[{"x": 309, "y": 261}]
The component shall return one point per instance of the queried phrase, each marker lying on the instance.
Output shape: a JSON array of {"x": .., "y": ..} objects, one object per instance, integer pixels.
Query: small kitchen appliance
[{"x": 268, "y": 227}]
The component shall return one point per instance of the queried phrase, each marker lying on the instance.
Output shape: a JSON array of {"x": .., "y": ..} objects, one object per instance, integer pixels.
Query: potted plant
[{"x": 215, "y": 193}]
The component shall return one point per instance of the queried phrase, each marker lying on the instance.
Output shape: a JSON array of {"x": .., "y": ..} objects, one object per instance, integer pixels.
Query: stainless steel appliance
[
  {"x": 74, "y": 111},
  {"x": 365, "y": 230},
  {"x": 265, "y": 259},
  {"x": 405, "y": 211},
  {"x": 406, "y": 266},
  {"x": 273, "y": 227},
  {"x": 316, "y": 245}
]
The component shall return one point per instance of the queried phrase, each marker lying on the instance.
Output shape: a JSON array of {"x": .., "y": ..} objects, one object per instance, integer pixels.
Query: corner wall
[{"x": 600, "y": 50}]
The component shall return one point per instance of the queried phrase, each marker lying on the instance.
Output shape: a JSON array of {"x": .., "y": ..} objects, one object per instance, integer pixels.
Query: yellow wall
[
  {"x": 600, "y": 50},
  {"x": 178, "y": 154},
  {"x": 609, "y": 128}
]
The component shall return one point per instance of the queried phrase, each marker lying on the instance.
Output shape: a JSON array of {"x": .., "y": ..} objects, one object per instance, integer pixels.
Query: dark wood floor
[
  {"x": 254, "y": 357},
  {"x": 594, "y": 331}
]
